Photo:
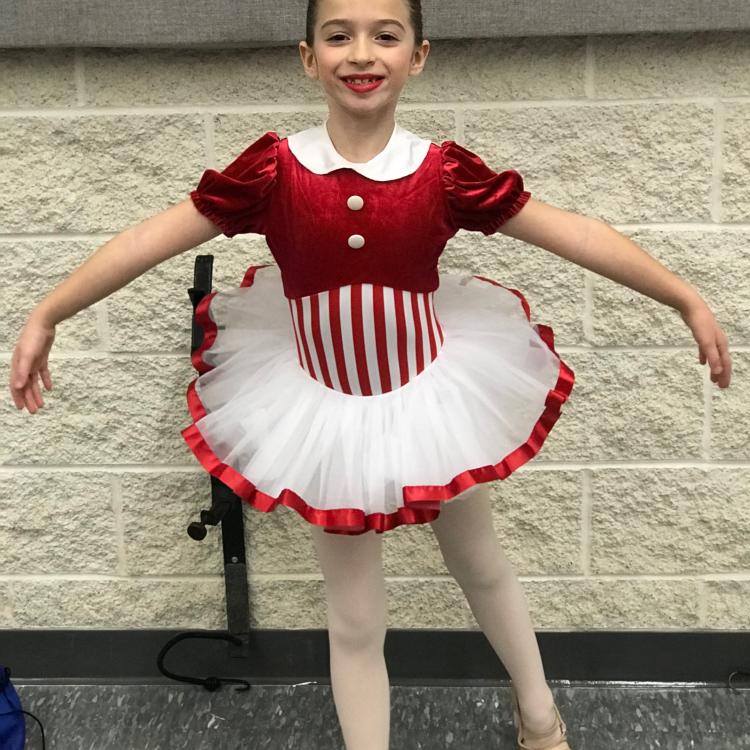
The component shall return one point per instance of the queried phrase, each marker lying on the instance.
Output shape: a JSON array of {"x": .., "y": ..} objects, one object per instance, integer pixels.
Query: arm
[
  {"x": 125, "y": 257},
  {"x": 595, "y": 245},
  {"x": 113, "y": 265}
]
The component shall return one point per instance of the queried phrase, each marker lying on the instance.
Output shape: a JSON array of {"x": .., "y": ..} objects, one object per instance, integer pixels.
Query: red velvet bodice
[{"x": 310, "y": 220}]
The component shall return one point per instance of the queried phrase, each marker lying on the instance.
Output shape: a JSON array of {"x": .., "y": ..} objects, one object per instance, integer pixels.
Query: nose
[{"x": 360, "y": 51}]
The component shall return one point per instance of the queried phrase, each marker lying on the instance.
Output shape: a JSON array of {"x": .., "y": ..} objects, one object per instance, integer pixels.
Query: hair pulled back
[{"x": 415, "y": 18}]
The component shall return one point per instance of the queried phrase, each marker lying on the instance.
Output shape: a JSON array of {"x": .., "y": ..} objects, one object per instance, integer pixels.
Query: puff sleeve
[
  {"x": 236, "y": 198},
  {"x": 479, "y": 198}
]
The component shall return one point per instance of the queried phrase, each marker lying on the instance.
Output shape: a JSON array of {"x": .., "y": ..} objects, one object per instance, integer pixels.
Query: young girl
[{"x": 353, "y": 382}]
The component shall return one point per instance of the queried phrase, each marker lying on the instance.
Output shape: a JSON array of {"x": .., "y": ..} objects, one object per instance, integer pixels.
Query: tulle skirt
[{"x": 352, "y": 463}]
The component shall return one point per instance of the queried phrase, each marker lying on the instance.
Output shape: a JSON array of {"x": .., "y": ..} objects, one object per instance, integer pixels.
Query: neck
[{"x": 360, "y": 139}]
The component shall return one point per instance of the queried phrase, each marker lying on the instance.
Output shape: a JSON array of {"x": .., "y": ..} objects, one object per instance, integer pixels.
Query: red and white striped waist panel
[{"x": 365, "y": 339}]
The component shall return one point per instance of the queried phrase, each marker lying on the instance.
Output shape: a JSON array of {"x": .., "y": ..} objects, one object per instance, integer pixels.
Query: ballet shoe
[{"x": 556, "y": 743}]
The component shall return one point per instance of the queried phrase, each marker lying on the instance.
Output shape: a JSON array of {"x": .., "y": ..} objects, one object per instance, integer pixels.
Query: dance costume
[{"x": 351, "y": 380}]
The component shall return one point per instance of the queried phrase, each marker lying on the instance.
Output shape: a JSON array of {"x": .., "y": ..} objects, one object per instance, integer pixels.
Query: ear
[
  {"x": 308, "y": 60},
  {"x": 419, "y": 58}
]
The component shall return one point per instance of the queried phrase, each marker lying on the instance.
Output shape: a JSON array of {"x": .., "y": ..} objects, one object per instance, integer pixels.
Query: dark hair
[{"x": 415, "y": 18}]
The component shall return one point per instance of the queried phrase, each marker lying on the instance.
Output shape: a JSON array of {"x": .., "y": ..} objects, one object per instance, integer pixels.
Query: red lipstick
[{"x": 362, "y": 88}]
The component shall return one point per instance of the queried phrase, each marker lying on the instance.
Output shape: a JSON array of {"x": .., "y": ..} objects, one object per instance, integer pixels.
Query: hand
[
  {"x": 29, "y": 361},
  {"x": 713, "y": 344}
]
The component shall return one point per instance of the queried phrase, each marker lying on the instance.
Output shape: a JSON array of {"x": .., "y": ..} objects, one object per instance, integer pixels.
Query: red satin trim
[
  {"x": 249, "y": 277},
  {"x": 418, "y": 507}
]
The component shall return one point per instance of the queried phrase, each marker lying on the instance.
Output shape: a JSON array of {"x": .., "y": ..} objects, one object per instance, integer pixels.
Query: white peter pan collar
[{"x": 402, "y": 155}]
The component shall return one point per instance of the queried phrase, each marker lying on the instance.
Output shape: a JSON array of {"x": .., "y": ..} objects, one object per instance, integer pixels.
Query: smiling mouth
[{"x": 362, "y": 89}]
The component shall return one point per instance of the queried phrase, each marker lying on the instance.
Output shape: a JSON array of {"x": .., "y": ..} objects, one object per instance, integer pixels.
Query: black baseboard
[{"x": 416, "y": 656}]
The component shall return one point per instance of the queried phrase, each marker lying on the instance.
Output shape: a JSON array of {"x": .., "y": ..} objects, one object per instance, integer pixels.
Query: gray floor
[{"x": 302, "y": 717}]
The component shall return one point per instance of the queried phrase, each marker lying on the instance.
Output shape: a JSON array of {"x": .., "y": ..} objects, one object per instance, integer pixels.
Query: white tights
[{"x": 356, "y": 602}]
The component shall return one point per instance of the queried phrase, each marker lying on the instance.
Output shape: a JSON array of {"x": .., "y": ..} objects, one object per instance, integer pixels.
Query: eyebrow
[{"x": 346, "y": 21}]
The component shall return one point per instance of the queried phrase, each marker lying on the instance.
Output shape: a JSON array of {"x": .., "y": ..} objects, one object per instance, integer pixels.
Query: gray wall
[
  {"x": 634, "y": 514},
  {"x": 171, "y": 23}
]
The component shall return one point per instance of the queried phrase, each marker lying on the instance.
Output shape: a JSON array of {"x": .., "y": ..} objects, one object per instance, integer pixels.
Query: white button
[
  {"x": 355, "y": 202},
  {"x": 356, "y": 240}
]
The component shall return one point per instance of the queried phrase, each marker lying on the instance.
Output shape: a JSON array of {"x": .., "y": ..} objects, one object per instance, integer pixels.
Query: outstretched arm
[
  {"x": 595, "y": 245},
  {"x": 115, "y": 264},
  {"x": 126, "y": 256}
]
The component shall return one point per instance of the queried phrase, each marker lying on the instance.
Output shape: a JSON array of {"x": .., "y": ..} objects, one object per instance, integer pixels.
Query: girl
[{"x": 352, "y": 382}]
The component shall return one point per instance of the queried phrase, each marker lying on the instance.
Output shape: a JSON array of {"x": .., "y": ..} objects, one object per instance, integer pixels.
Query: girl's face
[{"x": 373, "y": 37}]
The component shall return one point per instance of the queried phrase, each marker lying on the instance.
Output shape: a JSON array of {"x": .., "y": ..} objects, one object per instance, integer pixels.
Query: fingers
[
  {"x": 721, "y": 363},
  {"x": 35, "y": 390},
  {"x": 714, "y": 358},
  {"x": 46, "y": 378},
  {"x": 29, "y": 398},
  {"x": 709, "y": 347},
  {"x": 17, "y": 382},
  {"x": 29, "y": 394},
  {"x": 726, "y": 368},
  {"x": 19, "y": 370},
  {"x": 17, "y": 397},
  {"x": 28, "y": 365}
]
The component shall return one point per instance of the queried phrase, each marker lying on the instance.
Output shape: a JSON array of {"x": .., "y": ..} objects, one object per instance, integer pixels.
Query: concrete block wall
[{"x": 636, "y": 512}]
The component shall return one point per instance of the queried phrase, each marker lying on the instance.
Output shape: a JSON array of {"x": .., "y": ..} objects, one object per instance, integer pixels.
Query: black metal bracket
[{"x": 226, "y": 509}]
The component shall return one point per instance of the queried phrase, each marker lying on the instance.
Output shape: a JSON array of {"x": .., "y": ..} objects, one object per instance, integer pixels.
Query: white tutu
[{"x": 352, "y": 463}]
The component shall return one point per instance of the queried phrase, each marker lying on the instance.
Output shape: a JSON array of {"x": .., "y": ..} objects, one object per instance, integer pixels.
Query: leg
[
  {"x": 475, "y": 558},
  {"x": 355, "y": 597}
]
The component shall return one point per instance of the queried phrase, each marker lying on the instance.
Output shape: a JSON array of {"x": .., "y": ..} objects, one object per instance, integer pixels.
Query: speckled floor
[{"x": 302, "y": 717}]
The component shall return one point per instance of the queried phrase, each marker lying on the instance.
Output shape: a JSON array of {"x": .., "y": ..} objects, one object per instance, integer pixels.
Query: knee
[
  {"x": 362, "y": 630},
  {"x": 478, "y": 573}
]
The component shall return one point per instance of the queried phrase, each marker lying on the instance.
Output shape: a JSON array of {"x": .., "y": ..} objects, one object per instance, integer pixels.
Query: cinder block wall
[{"x": 636, "y": 512}]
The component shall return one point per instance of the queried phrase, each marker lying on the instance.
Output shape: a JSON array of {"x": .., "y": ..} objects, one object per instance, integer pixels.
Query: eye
[{"x": 391, "y": 38}]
